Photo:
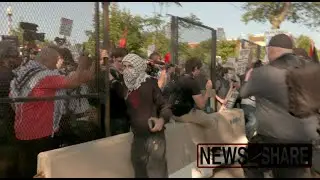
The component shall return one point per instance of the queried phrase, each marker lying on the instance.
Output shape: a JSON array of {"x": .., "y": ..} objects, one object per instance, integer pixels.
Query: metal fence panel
[
  {"x": 190, "y": 39},
  {"x": 69, "y": 21}
]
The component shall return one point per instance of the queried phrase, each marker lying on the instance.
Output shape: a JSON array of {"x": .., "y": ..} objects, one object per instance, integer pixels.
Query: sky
[{"x": 213, "y": 14}]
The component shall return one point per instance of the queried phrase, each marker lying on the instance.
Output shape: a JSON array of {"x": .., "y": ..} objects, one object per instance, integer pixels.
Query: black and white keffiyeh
[{"x": 134, "y": 77}]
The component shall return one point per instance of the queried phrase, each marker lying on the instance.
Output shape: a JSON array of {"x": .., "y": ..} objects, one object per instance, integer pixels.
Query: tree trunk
[
  {"x": 277, "y": 20},
  {"x": 275, "y": 25}
]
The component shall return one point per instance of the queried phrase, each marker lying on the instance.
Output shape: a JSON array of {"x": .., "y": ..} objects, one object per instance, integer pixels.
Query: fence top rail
[
  {"x": 250, "y": 42},
  {"x": 47, "y": 98},
  {"x": 194, "y": 23}
]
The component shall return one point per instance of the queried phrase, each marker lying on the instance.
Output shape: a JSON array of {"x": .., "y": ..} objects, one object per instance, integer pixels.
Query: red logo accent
[{"x": 134, "y": 99}]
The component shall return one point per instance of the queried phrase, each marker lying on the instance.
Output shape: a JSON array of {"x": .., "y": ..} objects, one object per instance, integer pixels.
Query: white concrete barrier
[{"x": 110, "y": 157}]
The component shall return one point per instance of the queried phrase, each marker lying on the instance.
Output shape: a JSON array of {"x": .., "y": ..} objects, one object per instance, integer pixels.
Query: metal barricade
[
  {"x": 192, "y": 39},
  {"x": 75, "y": 26}
]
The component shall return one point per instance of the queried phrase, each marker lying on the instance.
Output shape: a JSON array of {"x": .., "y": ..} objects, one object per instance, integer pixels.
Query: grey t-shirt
[
  {"x": 222, "y": 87},
  {"x": 268, "y": 85}
]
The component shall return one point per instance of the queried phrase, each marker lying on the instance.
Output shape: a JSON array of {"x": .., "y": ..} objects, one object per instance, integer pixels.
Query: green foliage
[
  {"x": 155, "y": 28},
  {"x": 90, "y": 44},
  {"x": 303, "y": 42},
  {"x": 187, "y": 25},
  {"x": 227, "y": 49},
  {"x": 161, "y": 42},
  {"x": 119, "y": 21},
  {"x": 145, "y": 31},
  {"x": 142, "y": 31},
  {"x": 262, "y": 53},
  {"x": 168, "y": 3},
  {"x": 306, "y": 13},
  {"x": 17, "y": 32}
]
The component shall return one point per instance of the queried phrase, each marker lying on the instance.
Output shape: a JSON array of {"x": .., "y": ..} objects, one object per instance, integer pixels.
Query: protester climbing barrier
[
  {"x": 192, "y": 39},
  {"x": 65, "y": 24}
]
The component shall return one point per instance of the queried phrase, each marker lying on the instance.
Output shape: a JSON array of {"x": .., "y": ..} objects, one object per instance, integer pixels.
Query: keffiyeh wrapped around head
[{"x": 135, "y": 76}]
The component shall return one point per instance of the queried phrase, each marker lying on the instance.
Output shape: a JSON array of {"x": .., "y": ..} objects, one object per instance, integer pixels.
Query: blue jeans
[{"x": 250, "y": 119}]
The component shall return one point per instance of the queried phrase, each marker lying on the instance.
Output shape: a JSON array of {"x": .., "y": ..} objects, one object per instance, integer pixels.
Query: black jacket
[{"x": 6, "y": 112}]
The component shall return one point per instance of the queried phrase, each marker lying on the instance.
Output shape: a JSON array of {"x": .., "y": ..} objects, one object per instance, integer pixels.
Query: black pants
[
  {"x": 8, "y": 151},
  {"x": 28, "y": 154},
  {"x": 119, "y": 126},
  {"x": 8, "y": 161},
  {"x": 148, "y": 156},
  {"x": 276, "y": 172},
  {"x": 316, "y": 160}
]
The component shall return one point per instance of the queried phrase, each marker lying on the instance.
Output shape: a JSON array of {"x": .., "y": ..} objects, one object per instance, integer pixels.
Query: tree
[
  {"x": 159, "y": 39},
  {"x": 303, "y": 42},
  {"x": 17, "y": 32},
  {"x": 227, "y": 49},
  {"x": 167, "y": 4},
  {"x": 306, "y": 13},
  {"x": 156, "y": 32},
  {"x": 120, "y": 19},
  {"x": 193, "y": 18}
]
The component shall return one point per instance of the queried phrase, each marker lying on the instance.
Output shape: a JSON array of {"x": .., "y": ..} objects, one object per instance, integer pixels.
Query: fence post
[
  {"x": 106, "y": 44},
  {"x": 213, "y": 64},
  {"x": 174, "y": 40},
  {"x": 97, "y": 55},
  {"x": 213, "y": 57}
]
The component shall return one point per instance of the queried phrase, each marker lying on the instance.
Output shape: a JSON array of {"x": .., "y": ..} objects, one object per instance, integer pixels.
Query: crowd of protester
[{"x": 144, "y": 96}]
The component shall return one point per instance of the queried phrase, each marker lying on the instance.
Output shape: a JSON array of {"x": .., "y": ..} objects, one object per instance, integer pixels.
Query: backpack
[
  {"x": 303, "y": 82},
  {"x": 174, "y": 97},
  {"x": 303, "y": 89}
]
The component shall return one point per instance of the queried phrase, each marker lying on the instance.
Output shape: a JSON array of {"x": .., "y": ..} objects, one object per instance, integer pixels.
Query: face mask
[{"x": 129, "y": 76}]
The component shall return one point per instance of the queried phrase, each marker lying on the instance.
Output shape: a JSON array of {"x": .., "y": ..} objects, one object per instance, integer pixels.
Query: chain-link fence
[
  {"x": 190, "y": 39},
  {"x": 40, "y": 96}
]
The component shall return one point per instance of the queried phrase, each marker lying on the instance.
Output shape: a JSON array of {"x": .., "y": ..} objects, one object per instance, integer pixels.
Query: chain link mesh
[
  {"x": 47, "y": 15},
  {"x": 256, "y": 52},
  {"x": 195, "y": 41}
]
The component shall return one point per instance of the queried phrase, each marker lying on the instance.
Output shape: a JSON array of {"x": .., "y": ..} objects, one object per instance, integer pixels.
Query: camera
[
  {"x": 154, "y": 67},
  {"x": 30, "y": 32}
]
